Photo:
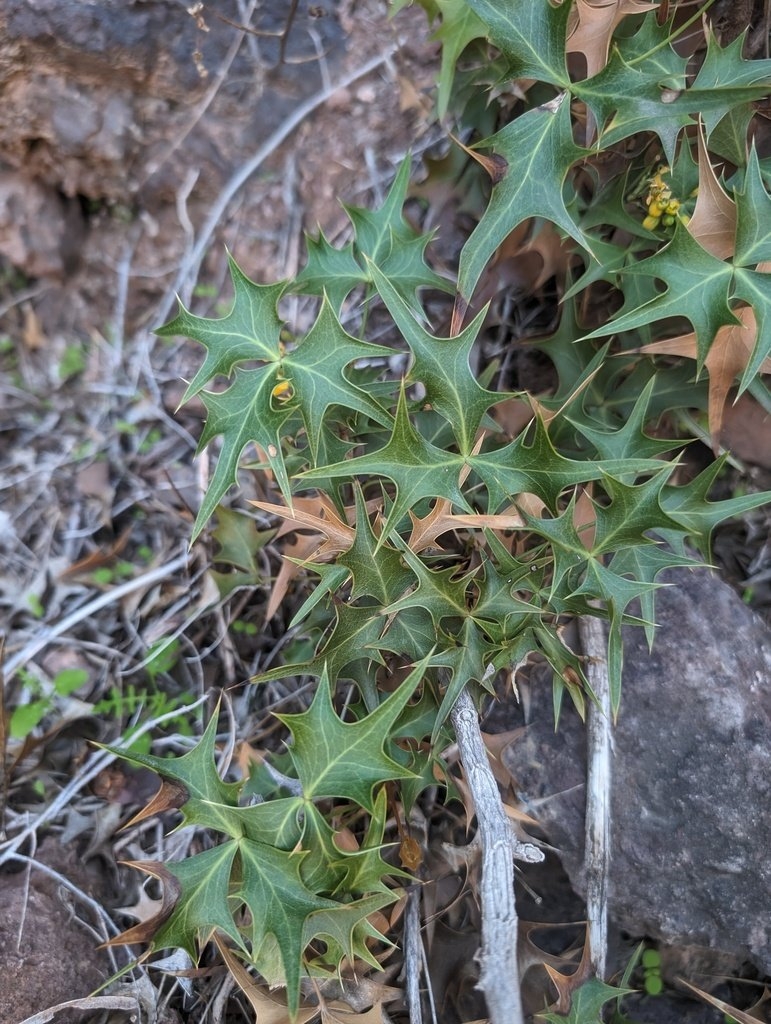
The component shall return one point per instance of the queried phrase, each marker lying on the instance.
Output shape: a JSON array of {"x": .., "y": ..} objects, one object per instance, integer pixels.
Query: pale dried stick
[
  {"x": 498, "y": 976},
  {"x": 412, "y": 957},
  {"x": 598, "y": 780}
]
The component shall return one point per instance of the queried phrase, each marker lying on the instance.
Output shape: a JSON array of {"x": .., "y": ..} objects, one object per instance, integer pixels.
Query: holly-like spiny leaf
[
  {"x": 418, "y": 468},
  {"x": 250, "y": 330},
  {"x": 334, "y": 758},
  {"x": 530, "y": 35},
  {"x": 442, "y": 367},
  {"x": 196, "y": 782},
  {"x": 531, "y": 464},
  {"x": 382, "y": 236},
  {"x": 539, "y": 150},
  {"x": 272, "y": 887}
]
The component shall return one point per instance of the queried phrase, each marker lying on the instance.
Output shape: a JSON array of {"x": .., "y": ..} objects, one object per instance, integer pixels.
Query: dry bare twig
[
  {"x": 598, "y": 780},
  {"x": 499, "y": 977}
]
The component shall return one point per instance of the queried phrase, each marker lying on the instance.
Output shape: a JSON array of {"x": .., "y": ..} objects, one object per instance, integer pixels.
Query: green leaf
[
  {"x": 690, "y": 506},
  {"x": 538, "y": 468},
  {"x": 642, "y": 88},
  {"x": 698, "y": 288},
  {"x": 242, "y": 415},
  {"x": 643, "y": 563},
  {"x": 467, "y": 661},
  {"x": 196, "y": 773},
  {"x": 280, "y": 903},
  {"x": 25, "y": 717},
  {"x": 418, "y": 468},
  {"x": 363, "y": 870},
  {"x": 309, "y": 377},
  {"x": 238, "y": 541},
  {"x": 315, "y": 370},
  {"x": 376, "y": 568},
  {"x": 442, "y": 366},
  {"x": 634, "y": 509},
  {"x": 629, "y": 96},
  {"x": 531, "y": 35},
  {"x": 587, "y": 1003},
  {"x": 728, "y": 80},
  {"x": 329, "y": 271},
  {"x": 753, "y": 216},
  {"x": 250, "y": 331},
  {"x": 630, "y": 439},
  {"x": 355, "y": 637},
  {"x": 460, "y": 26},
  {"x": 204, "y": 888},
  {"x": 381, "y": 236},
  {"x": 754, "y": 288},
  {"x": 346, "y": 929},
  {"x": 438, "y": 591},
  {"x": 334, "y": 758},
  {"x": 69, "y": 680},
  {"x": 539, "y": 150}
]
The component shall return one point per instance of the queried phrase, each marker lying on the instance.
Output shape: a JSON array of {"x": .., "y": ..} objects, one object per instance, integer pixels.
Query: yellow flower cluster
[{"x": 663, "y": 207}]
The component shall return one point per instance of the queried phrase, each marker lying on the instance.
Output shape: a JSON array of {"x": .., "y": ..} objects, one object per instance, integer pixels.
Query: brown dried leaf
[
  {"x": 170, "y": 797},
  {"x": 318, "y": 514},
  {"x": 340, "y": 1013},
  {"x": 298, "y": 550},
  {"x": 594, "y": 23},
  {"x": 512, "y": 416},
  {"x": 730, "y": 1011},
  {"x": 495, "y": 165},
  {"x": 566, "y": 984},
  {"x": 331, "y": 536},
  {"x": 747, "y": 431},
  {"x": 551, "y": 249},
  {"x": 713, "y": 223},
  {"x": 99, "y": 558},
  {"x": 267, "y": 1010},
  {"x": 143, "y": 933},
  {"x": 440, "y": 520},
  {"x": 726, "y": 360},
  {"x": 410, "y": 853}
]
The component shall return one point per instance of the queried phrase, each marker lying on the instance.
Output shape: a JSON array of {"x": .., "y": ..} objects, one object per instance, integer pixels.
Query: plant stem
[
  {"x": 598, "y": 782},
  {"x": 499, "y": 975}
]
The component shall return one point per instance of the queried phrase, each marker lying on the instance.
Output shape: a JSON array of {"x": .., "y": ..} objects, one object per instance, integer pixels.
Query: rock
[{"x": 691, "y": 830}]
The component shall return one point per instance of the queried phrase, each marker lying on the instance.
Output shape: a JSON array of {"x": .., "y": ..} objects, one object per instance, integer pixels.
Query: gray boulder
[{"x": 691, "y": 804}]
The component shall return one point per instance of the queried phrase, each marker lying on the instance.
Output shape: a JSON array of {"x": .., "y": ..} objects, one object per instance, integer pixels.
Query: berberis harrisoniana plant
[{"x": 446, "y": 552}]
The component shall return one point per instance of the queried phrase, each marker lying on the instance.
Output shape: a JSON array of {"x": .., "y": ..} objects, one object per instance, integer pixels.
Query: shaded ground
[{"x": 105, "y": 196}]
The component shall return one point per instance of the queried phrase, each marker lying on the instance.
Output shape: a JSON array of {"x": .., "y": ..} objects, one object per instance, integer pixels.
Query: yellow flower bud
[
  {"x": 650, "y": 223},
  {"x": 283, "y": 391}
]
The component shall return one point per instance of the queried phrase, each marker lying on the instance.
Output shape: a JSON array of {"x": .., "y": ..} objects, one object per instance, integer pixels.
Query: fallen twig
[
  {"x": 499, "y": 977},
  {"x": 599, "y": 749}
]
